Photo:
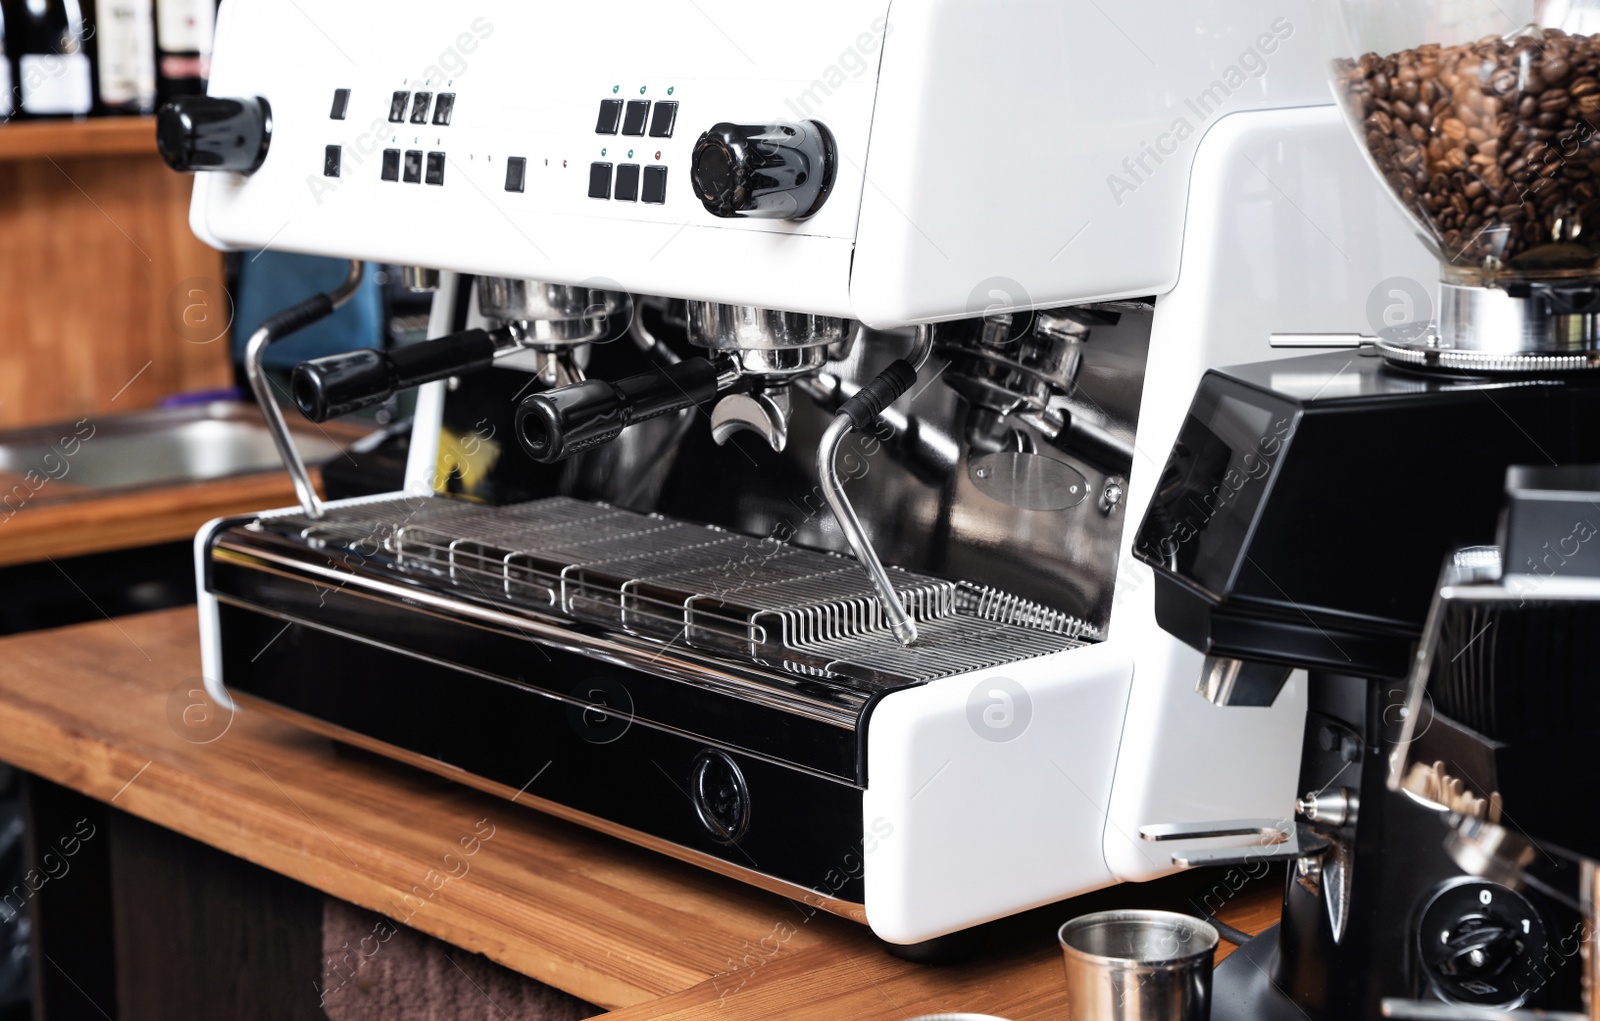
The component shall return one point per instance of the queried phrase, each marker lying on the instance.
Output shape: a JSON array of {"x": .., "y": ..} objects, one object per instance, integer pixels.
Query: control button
[
  {"x": 665, "y": 117},
  {"x": 610, "y": 113},
  {"x": 721, "y": 797},
  {"x": 413, "y": 174},
  {"x": 627, "y": 182},
  {"x": 332, "y": 156},
  {"x": 419, "y": 107},
  {"x": 397, "y": 107},
  {"x": 391, "y": 164},
  {"x": 341, "y": 104},
  {"x": 435, "y": 168},
  {"x": 599, "y": 180},
  {"x": 214, "y": 133},
  {"x": 655, "y": 184},
  {"x": 516, "y": 174},
  {"x": 633, "y": 123},
  {"x": 776, "y": 171},
  {"x": 444, "y": 109}
]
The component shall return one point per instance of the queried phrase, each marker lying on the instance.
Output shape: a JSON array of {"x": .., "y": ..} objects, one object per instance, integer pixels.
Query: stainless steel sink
[{"x": 153, "y": 448}]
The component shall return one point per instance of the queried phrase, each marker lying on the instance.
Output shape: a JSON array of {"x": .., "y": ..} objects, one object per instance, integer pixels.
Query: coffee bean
[
  {"x": 1553, "y": 100},
  {"x": 1490, "y": 143}
]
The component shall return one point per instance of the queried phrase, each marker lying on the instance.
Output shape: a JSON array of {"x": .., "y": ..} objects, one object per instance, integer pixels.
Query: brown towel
[{"x": 374, "y": 969}]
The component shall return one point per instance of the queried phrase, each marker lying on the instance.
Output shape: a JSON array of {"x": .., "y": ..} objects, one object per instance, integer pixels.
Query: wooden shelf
[{"x": 102, "y": 136}]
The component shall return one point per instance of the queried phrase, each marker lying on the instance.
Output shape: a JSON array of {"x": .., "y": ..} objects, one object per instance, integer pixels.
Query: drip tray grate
[{"x": 806, "y": 612}]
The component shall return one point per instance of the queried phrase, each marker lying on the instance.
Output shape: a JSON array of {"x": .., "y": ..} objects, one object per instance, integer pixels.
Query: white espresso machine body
[{"x": 991, "y": 158}]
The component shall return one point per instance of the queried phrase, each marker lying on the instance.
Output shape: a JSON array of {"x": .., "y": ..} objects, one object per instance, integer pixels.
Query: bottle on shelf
[
  {"x": 183, "y": 39},
  {"x": 125, "y": 56},
  {"x": 54, "y": 76},
  {"x": 7, "y": 77}
]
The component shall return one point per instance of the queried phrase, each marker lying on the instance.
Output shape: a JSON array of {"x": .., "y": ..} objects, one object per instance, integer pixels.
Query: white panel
[
  {"x": 1288, "y": 232},
  {"x": 528, "y": 80},
  {"x": 1047, "y": 144},
  {"x": 1002, "y": 128},
  {"x": 972, "y": 819}
]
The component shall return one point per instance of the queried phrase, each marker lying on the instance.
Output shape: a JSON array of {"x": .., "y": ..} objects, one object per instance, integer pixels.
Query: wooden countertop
[
  {"x": 61, "y": 522},
  {"x": 88, "y": 707}
]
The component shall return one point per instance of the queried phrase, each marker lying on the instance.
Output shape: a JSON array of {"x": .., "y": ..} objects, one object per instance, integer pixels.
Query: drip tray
[{"x": 677, "y": 583}]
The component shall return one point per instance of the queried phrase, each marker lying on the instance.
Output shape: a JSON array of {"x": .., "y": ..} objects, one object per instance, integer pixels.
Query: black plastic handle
[
  {"x": 212, "y": 133},
  {"x": 335, "y": 385},
  {"x": 568, "y": 420},
  {"x": 887, "y": 387}
]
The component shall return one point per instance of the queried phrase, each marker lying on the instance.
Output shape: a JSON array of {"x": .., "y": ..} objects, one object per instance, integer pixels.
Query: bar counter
[{"x": 99, "y": 709}]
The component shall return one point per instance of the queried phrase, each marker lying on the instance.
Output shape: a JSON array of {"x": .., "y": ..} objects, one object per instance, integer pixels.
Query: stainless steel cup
[{"x": 1138, "y": 966}]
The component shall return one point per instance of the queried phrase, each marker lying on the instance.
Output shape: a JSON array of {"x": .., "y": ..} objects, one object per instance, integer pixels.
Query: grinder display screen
[{"x": 1213, "y": 482}]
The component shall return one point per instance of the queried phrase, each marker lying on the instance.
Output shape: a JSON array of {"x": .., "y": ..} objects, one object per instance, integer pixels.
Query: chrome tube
[
  {"x": 1589, "y": 873},
  {"x": 900, "y": 622},
  {"x": 275, "y": 329}
]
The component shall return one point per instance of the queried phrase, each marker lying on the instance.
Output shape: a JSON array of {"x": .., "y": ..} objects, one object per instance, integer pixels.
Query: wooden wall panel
[{"x": 96, "y": 262}]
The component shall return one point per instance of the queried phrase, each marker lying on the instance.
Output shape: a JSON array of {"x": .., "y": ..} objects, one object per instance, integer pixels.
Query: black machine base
[
  {"x": 778, "y": 827},
  {"x": 1243, "y": 990}
]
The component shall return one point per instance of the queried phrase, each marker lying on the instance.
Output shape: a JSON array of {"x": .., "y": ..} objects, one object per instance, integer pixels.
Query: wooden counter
[
  {"x": 55, "y": 528},
  {"x": 88, "y": 707}
]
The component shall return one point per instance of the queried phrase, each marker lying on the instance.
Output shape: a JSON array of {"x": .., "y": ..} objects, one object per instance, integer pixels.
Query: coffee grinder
[
  {"x": 1501, "y": 722},
  {"x": 1307, "y": 505}
]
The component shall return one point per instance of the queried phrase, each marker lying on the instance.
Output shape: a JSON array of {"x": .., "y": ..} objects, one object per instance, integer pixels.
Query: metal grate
[{"x": 808, "y": 612}]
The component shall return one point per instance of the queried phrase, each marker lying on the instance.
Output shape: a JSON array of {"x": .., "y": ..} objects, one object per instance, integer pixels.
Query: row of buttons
[
  {"x": 414, "y": 172},
  {"x": 443, "y": 110},
  {"x": 627, "y": 187},
  {"x": 611, "y": 111}
]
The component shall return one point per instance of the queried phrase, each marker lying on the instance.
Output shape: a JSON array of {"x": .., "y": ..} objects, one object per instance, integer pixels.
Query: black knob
[
  {"x": 775, "y": 171},
  {"x": 335, "y": 385},
  {"x": 206, "y": 133},
  {"x": 1478, "y": 947},
  {"x": 568, "y": 420}
]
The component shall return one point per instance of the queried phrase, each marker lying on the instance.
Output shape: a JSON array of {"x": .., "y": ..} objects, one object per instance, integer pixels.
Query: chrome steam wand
[
  {"x": 292, "y": 320},
  {"x": 859, "y": 412}
]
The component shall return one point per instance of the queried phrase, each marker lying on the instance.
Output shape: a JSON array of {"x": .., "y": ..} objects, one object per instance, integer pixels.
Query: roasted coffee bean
[{"x": 1491, "y": 143}]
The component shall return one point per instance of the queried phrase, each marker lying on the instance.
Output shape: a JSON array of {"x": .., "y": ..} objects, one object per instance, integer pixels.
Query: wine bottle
[
  {"x": 7, "y": 79},
  {"x": 125, "y": 56},
  {"x": 53, "y": 70},
  {"x": 183, "y": 39}
]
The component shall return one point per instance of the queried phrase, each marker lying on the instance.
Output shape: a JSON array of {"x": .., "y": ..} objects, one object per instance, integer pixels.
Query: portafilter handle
[
  {"x": 335, "y": 385},
  {"x": 556, "y": 424}
]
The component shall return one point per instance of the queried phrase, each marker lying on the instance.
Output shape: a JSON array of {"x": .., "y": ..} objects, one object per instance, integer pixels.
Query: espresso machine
[
  {"x": 1307, "y": 505},
  {"x": 789, "y": 383}
]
